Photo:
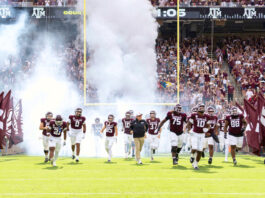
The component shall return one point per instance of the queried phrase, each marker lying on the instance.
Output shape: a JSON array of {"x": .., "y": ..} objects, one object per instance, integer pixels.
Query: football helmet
[
  {"x": 210, "y": 110},
  {"x": 194, "y": 109},
  {"x": 49, "y": 115},
  {"x": 97, "y": 120},
  {"x": 201, "y": 108},
  {"x": 234, "y": 111},
  {"x": 59, "y": 120},
  {"x": 152, "y": 114},
  {"x": 127, "y": 115},
  {"x": 110, "y": 118},
  {"x": 178, "y": 108},
  {"x": 78, "y": 112}
]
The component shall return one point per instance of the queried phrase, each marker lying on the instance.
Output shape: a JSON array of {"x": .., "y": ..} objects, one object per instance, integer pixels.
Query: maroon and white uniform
[
  {"x": 110, "y": 128},
  {"x": 128, "y": 137},
  {"x": 212, "y": 121},
  {"x": 176, "y": 121},
  {"x": 176, "y": 124},
  {"x": 76, "y": 123},
  {"x": 197, "y": 135},
  {"x": 45, "y": 123},
  {"x": 126, "y": 123},
  {"x": 153, "y": 125},
  {"x": 235, "y": 125},
  {"x": 110, "y": 136},
  {"x": 222, "y": 139},
  {"x": 56, "y": 132},
  {"x": 45, "y": 134},
  {"x": 152, "y": 138}
]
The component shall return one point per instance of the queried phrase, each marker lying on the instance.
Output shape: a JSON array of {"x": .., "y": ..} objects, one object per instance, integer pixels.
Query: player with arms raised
[
  {"x": 128, "y": 137},
  {"x": 235, "y": 124},
  {"x": 208, "y": 140},
  {"x": 153, "y": 134},
  {"x": 223, "y": 137},
  {"x": 44, "y": 124},
  {"x": 200, "y": 124},
  {"x": 55, "y": 129},
  {"x": 176, "y": 120},
  {"x": 77, "y": 131},
  {"x": 111, "y": 134}
]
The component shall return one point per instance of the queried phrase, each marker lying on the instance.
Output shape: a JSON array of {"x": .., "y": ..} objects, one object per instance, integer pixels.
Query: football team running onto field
[{"x": 200, "y": 129}]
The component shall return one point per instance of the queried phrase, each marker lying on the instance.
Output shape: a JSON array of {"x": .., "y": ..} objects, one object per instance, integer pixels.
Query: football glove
[
  {"x": 64, "y": 143},
  {"x": 225, "y": 136}
]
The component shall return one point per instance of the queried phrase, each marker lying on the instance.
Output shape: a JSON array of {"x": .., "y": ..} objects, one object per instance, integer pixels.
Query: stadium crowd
[
  {"x": 246, "y": 60},
  {"x": 202, "y": 77},
  {"x": 222, "y": 3}
]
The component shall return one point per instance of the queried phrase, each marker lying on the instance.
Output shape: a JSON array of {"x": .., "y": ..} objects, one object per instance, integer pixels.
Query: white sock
[
  {"x": 73, "y": 153},
  {"x": 192, "y": 154},
  {"x": 56, "y": 155},
  {"x": 226, "y": 151},
  {"x": 46, "y": 155},
  {"x": 77, "y": 157}
]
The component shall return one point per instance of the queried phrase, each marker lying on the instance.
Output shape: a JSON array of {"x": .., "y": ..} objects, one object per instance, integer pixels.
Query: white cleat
[
  {"x": 126, "y": 155},
  {"x": 140, "y": 162},
  {"x": 226, "y": 160}
]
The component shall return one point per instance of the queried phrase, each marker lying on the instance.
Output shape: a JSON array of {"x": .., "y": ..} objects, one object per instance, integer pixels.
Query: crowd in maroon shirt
[
  {"x": 223, "y": 3},
  {"x": 202, "y": 78},
  {"x": 246, "y": 60}
]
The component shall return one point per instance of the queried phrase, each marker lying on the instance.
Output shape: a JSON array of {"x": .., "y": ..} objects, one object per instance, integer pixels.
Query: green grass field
[{"x": 25, "y": 176}]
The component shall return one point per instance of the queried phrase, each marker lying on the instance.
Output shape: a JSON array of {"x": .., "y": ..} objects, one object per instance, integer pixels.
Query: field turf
[{"x": 25, "y": 176}]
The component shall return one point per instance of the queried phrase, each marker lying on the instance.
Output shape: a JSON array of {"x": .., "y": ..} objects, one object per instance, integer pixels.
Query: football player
[
  {"x": 77, "y": 124},
  {"x": 153, "y": 134},
  {"x": 223, "y": 137},
  {"x": 96, "y": 127},
  {"x": 235, "y": 124},
  {"x": 176, "y": 119},
  {"x": 56, "y": 128},
  {"x": 44, "y": 124},
  {"x": 111, "y": 134},
  {"x": 200, "y": 124},
  {"x": 208, "y": 140},
  {"x": 128, "y": 137}
]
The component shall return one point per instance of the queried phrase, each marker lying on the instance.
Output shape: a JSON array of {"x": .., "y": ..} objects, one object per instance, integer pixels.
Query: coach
[{"x": 138, "y": 129}]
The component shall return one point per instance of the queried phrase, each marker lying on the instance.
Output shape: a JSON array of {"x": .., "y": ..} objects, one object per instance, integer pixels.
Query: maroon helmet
[
  {"x": 59, "y": 120},
  {"x": 49, "y": 115},
  {"x": 201, "y": 108},
  {"x": 178, "y": 108},
  {"x": 152, "y": 114},
  {"x": 78, "y": 112},
  {"x": 110, "y": 118},
  {"x": 234, "y": 111},
  {"x": 128, "y": 115},
  {"x": 210, "y": 110}
]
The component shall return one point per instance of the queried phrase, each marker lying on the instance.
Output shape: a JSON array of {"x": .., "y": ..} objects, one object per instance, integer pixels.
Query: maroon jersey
[
  {"x": 110, "y": 128},
  {"x": 45, "y": 123},
  {"x": 153, "y": 125},
  {"x": 221, "y": 124},
  {"x": 76, "y": 122},
  {"x": 126, "y": 125},
  {"x": 199, "y": 122},
  {"x": 235, "y": 124},
  {"x": 56, "y": 131},
  {"x": 212, "y": 122},
  {"x": 176, "y": 121}
]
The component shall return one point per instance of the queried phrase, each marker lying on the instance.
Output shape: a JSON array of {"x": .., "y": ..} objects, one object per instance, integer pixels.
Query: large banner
[
  {"x": 10, "y": 121},
  {"x": 40, "y": 12},
  {"x": 211, "y": 13},
  {"x": 162, "y": 12}
]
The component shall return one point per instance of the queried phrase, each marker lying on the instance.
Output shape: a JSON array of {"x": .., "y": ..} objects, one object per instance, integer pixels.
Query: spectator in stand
[{"x": 230, "y": 90}]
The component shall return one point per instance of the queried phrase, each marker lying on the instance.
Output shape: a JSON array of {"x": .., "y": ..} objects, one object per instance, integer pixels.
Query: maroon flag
[
  {"x": 4, "y": 114},
  {"x": 260, "y": 128},
  {"x": 252, "y": 135},
  {"x": 1, "y": 97},
  {"x": 16, "y": 133}
]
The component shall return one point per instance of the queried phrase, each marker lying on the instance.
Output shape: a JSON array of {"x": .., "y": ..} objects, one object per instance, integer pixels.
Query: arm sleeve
[{"x": 131, "y": 126}]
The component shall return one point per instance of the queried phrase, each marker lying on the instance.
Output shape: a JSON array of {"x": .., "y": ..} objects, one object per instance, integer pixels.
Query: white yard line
[
  {"x": 129, "y": 179},
  {"x": 138, "y": 193}
]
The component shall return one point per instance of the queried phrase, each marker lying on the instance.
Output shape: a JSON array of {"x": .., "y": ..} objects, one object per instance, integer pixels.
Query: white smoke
[
  {"x": 121, "y": 38},
  {"x": 47, "y": 88}
]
